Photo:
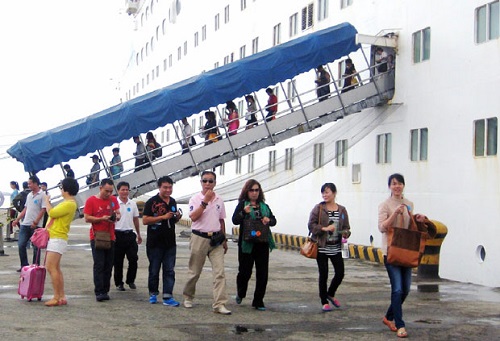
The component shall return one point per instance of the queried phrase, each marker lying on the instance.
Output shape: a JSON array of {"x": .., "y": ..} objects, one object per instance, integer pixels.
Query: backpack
[
  {"x": 20, "y": 200},
  {"x": 157, "y": 152}
]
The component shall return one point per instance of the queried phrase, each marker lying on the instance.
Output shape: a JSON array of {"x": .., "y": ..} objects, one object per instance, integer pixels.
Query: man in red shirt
[
  {"x": 102, "y": 210},
  {"x": 272, "y": 105}
]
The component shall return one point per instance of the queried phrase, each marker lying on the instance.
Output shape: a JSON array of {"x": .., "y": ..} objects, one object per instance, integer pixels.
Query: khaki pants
[{"x": 200, "y": 249}]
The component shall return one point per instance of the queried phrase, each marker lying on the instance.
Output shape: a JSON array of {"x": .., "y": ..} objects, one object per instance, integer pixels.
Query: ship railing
[{"x": 297, "y": 113}]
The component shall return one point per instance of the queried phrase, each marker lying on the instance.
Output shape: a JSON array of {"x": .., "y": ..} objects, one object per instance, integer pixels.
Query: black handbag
[
  {"x": 217, "y": 239},
  {"x": 254, "y": 231}
]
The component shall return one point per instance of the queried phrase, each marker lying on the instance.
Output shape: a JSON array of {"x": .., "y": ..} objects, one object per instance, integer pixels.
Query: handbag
[
  {"x": 254, "y": 231},
  {"x": 354, "y": 80},
  {"x": 405, "y": 247},
  {"x": 102, "y": 240},
  {"x": 309, "y": 249},
  {"x": 40, "y": 238}
]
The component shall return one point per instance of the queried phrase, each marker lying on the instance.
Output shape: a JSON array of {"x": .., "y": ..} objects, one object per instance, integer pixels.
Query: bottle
[{"x": 345, "y": 249}]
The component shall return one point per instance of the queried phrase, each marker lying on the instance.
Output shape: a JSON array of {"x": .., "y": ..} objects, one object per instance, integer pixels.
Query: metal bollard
[{"x": 429, "y": 265}]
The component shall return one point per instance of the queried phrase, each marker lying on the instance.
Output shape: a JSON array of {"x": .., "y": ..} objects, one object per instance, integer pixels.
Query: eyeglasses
[
  {"x": 210, "y": 181},
  {"x": 254, "y": 190}
]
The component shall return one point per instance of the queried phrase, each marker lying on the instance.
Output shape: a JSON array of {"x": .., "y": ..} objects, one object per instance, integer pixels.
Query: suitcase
[{"x": 32, "y": 282}]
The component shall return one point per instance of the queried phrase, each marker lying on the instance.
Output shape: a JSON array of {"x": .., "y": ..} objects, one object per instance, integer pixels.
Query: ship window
[
  {"x": 422, "y": 45},
  {"x": 153, "y": 75},
  {"x": 202, "y": 124},
  {"x": 345, "y": 3},
  {"x": 168, "y": 135},
  {"x": 241, "y": 108},
  {"x": 243, "y": 51},
  {"x": 318, "y": 155},
  {"x": 152, "y": 44},
  {"x": 486, "y": 137},
  {"x": 157, "y": 32},
  {"x": 217, "y": 23},
  {"x": 243, "y": 4},
  {"x": 307, "y": 16},
  {"x": 226, "y": 14},
  {"x": 255, "y": 45},
  {"x": 418, "y": 144},
  {"x": 157, "y": 70},
  {"x": 137, "y": 58},
  {"x": 238, "y": 166},
  {"x": 487, "y": 22},
  {"x": 277, "y": 35},
  {"x": 272, "y": 161},
  {"x": 222, "y": 169},
  {"x": 251, "y": 160},
  {"x": 226, "y": 60},
  {"x": 185, "y": 48},
  {"x": 163, "y": 26},
  {"x": 384, "y": 148},
  {"x": 294, "y": 24},
  {"x": 216, "y": 65},
  {"x": 179, "y": 53},
  {"x": 196, "y": 39},
  {"x": 165, "y": 63},
  {"x": 322, "y": 9},
  {"x": 356, "y": 173},
  {"x": 204, "y": 33},
  {"x": 170, "y": 60},
  {"x": 288, "y": 158},
  {"x": 341, "y": 153}
]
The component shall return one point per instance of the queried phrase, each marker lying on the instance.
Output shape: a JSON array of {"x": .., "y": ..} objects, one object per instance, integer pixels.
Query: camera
[{"x": 113, "y": 217}]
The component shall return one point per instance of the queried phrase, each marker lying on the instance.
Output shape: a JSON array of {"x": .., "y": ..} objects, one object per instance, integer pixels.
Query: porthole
[{"x": 480, "y": 253}]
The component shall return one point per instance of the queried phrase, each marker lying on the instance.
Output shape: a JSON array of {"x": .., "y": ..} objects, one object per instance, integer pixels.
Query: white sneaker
[
  {"x": 188, "y": 303},
  {"x": 222, "y": 310}
]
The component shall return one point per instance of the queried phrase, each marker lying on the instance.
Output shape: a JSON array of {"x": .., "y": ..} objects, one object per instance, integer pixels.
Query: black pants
[
  {"x": 338, "y": 266},
  {"x": 259, "y": 256},
  {"x": 125, "y": 245},
  {"x": 103, "y": 264}
]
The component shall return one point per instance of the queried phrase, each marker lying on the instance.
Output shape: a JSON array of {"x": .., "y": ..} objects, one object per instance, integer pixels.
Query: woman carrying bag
[
  {"x": 328, "y": 224},
  {"x": 251, "y": 206},
  {"x": 396, "y": 211},
  {"x": 61, "y": 217}
]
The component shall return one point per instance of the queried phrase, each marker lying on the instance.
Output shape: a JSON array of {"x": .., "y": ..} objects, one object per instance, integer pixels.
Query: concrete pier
[{"x": 450, "y": 311}]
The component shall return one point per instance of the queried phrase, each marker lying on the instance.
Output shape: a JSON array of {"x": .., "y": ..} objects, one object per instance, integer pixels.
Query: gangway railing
[{"x": 299, "y": 113}]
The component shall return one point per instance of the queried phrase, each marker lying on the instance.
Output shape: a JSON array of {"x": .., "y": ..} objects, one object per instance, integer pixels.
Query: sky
[{"x": 60, "y": 61}]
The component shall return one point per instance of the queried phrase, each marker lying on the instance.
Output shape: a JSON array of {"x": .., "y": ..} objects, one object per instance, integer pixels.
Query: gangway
[{"x": 292, "y": 58}]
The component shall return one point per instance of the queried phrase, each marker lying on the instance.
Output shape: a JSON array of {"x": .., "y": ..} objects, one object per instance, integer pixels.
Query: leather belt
[{"x": 207, "y": 235}]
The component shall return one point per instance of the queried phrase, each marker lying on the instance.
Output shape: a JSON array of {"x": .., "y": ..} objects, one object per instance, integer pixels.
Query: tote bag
[{"x": 405, "y": 247}]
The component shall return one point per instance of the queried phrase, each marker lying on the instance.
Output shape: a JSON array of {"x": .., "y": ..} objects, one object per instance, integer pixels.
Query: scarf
[{"x": 264, "y": 211}]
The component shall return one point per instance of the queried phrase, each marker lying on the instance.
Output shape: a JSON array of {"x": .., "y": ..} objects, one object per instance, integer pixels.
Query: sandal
[
  {"x": 389, "y": 324},
  {"x": 402, "y": 333},
  {"x": 52, "y": 303}
]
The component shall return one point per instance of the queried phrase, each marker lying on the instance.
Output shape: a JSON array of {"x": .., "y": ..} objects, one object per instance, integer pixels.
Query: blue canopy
[{"x": 164, "y": 106}]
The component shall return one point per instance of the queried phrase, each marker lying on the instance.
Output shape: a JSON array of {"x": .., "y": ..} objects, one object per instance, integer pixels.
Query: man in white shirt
[
  {"x": 127, "y": 240},
  {"x": 32, "y": 218}
]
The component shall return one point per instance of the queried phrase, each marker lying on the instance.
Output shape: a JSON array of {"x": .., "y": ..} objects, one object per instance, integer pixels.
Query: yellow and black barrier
[{"x": 429, "y": 265}]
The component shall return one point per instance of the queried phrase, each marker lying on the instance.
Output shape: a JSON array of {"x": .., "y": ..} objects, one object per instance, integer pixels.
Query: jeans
[
  {"x": 400, "y": 278},
  {"x": 259, "y": 256},
  {"x": 103, "y": 264},
  {"x": 125, "y": 245},
  {"x": 25, "y": 233},
  {"x": 164, "y": 258},
  {"x": 338, "y": 266}
]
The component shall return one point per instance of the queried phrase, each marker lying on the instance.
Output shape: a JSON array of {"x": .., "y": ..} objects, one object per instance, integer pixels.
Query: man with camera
[
  {"x": 127, "y": 241},
  {"x": 102, "y": 211},
  {"x": 208, "y": 239},
  {"x": 161, "y": 214}
]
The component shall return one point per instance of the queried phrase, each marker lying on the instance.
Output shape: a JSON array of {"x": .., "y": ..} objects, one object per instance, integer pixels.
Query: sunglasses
[
  {"x": 254, "y": 190},
  {"x": 207, "y": 180}
]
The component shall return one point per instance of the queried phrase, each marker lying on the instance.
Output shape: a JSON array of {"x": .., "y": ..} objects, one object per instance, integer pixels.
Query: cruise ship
[{"x": 431, "y": 114}]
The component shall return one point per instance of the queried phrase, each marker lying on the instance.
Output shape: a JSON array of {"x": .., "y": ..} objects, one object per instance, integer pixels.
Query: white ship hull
[{"x": 456, "y": 86}]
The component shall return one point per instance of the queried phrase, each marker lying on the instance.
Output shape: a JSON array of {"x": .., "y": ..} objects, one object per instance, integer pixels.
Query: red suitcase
[{"x": 32, "y": 282}]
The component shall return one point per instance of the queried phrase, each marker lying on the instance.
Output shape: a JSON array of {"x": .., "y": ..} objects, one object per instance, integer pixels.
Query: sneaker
[
  {"x": 326, "y": 307},
  {"x": 19, "y": 270},
  {"x": 106, "y": 297},
  {"x": 170, "y": 302},
  {"x": 132, "y": 286},
  {"x": 152, "y": 299},
  {"x": 120, "y": 287},
  {"x": 334, "y": 301},
  {"x": 238, "y": 299},
  {"x": 222, "y": 310},
  {"x": 261, "y": 308},
  {"x": 188, "y": 303}
]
